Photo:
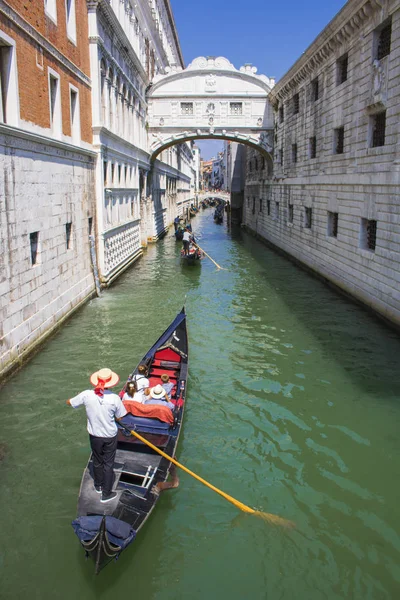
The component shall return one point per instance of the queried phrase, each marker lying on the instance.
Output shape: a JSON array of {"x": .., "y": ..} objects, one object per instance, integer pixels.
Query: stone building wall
[
  {"x": 333, "y": 200},
  {"x": 46, "y": 171}
]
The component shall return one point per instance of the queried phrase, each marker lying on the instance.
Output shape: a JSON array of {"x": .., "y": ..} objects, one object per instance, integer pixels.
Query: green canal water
[{"x": 293, "y": 408}]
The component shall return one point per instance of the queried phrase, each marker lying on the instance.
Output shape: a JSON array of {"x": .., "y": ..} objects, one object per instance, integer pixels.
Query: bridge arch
[{"x": 211, "y": 99}]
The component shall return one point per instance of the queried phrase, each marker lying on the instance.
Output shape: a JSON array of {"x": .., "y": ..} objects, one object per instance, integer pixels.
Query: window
[
  {"x": 75, "y": 116},
  {"x": 119, "y": 173},
  {"x": 90, "y": 225},
  {"x": 9, "y": 99},
  {"x": 333, "y": 218},
  {"x": 341, "y": 69},
  {"x": 383, "y": 39},
  {"x": 186, "y": 108},
  {"x": 268, "y": 207},
  {"x": 260, "y": 209},
  {"x": 378, "y": 127},
  {"x": 277, "y": 211},
  {"x": 236, "y": 108},
  {"x": 34, "y": 242},
  {"x": 71, "y": 21},
  {"x": 281, "y": 156},
  {"x": 307, "y": 217},
  {"x": 255, "y": 164},
  {"x": 314, "y": 89},
  {"x": 104, "y": 172},
  {"x": 338, "y": 140},
  {"x": 296, "y": 104},
  {"x": 250, "y": 166},
  {"x": 50, "y": 9},
  {"x": 55, "y": 103},
  {"x": 254, "y": 205},
  {"x": 68, "y": 235},
  {"x": 112, "y": 172},
  {"x": 290, "y": 213},
  {"x": 281, "y": 114},
  {"x": 294, "y": 153},
  {"x": 312, "y": 147},
  {"x": 368, "y": 235}
]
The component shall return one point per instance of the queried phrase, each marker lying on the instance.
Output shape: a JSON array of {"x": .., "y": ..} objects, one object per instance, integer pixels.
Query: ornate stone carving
[
  {"x": 378, "y": 76},
  {"x": 210, "y": 110},
  {"x": 259, "y": 122},
  {"x": 210, "y": 85},
  {"x": 267, "y": 141}
]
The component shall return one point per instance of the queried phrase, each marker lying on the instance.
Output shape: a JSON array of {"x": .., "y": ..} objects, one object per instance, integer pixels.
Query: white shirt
[
  {"x": 186, "y": 236},
  {"x": 141, "y": 382},
  {"x": 137, "y": 397},
  {"x": 100, "y": 412}
]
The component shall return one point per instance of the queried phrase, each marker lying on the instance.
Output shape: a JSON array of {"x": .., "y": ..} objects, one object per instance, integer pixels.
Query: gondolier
[{"x": 102, "y": 408}]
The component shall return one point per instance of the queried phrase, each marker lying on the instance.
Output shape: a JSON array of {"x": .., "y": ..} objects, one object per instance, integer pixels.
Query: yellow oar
[
  {"x": 204, "y": 252},
  {"x": 267, "y": 516}
]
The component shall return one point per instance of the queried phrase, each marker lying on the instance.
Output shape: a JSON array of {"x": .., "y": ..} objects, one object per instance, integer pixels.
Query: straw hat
[
  {"x": 157, "y": 392},
  {"x": 104, "y": 375}
]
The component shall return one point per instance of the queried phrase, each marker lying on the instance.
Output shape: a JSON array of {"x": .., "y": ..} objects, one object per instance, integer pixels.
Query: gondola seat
[{"x": 145, "y": 424}]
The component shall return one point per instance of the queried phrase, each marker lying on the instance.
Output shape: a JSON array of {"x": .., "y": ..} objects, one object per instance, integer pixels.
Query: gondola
[
  {"x": 219, "y": 216},
  {"x": 106, "y": 530},
  {"x": 193, "y": 257}
]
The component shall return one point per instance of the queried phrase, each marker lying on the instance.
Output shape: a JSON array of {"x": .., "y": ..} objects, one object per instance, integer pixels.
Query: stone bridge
[{"x": 211, "y": 99}]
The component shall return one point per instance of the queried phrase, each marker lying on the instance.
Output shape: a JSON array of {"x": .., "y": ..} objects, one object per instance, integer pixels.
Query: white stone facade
[
  {"x": 333, "y": 201},
  {"x": 130, "y": 43},
  {"x": 47, "y": 185}
]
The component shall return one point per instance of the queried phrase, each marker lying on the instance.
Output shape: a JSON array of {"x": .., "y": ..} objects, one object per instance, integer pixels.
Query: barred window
[
  {"x": 236, "y": 108},
  {"x": 296, "y": 104},
  {"x": 312, "y": 147},
  {"x": 186, "y": 108},
  {"x": 378, "y": 126},
  {"x": 277, "y": 211},
  {"x": 34, "y": 243},
  {"x": 268, "y": 207},
  {"x": 368, "y": 234},
  {"x": 307, "y": 217},
  {"x": 255, "y": 164},
  {"x": 260, "y": 209},
  {"x": 333, "y": 218},
  {"x": 294, "y": 153},
  {"x": 384, "y": 40},
  {"x": 341, "y": 69},
  {"x": 290, "y": 213},
  {"x": 254, "y": 205},
  {"x": 338, "y": 140},
  {"x": 68, "y": 235},
  {"x": 281, "y": 156},
  {"x": 281, "y": 114},
  {"x": 314, "y": 89}
]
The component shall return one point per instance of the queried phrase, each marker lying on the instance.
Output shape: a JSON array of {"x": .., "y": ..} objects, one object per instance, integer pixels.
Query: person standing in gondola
[
  {"x": 186, "y": 241},
  {"x": 102, "y": 408}
]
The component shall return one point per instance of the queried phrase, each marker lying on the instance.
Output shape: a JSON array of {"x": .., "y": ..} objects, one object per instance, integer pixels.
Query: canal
[{"x": 293, "y": 408}]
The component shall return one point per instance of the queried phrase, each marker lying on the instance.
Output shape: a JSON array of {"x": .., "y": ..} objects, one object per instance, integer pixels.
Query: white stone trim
[
  {"x": 56, "y": 114},
  {"x": 76, "y": 122},
  {"x": 12, "y": 106},
  {"x": 70, "y": 16}
]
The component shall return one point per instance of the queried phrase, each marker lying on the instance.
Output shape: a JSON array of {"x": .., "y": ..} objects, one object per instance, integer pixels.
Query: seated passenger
[
  {"x": 157, "y": 395},
  {"x": 141, "y": 382},
  {"x": 132, "y": 394},
  {"x": 166, "y": 383}
]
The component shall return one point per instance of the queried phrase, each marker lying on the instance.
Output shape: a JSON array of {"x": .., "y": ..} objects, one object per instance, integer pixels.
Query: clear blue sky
[{"x": 271, "y": 35}]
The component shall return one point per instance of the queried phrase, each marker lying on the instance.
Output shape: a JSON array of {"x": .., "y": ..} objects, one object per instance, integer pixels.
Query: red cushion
[
  {"x": 168, "y": 354},
  {"x": 156, "y": 371}
]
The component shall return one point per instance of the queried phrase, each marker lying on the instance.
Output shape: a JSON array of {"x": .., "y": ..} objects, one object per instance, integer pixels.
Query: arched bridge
[{"x": 211, "y": 99}]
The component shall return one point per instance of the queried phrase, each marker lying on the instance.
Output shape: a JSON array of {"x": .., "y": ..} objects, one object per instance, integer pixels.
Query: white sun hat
[{"x": 157, "y": 392}]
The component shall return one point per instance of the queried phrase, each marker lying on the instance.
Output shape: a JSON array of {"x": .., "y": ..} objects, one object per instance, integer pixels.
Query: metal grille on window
[
  {"x": 384, "y": 41},
  {"x": 281, "y": 156},
  {"x": 313, "y": 147},
  {"x": 296, "y": 104},
  {"x": 333, "y": 218},
  {"x": 260, "y": 205},
  {"x": 34, "y": 242},
  {"x": 378, "y": 131},
  {"x": 290, "y": 215},
  {"x": 315, "y": 89},
  {"x": 268, "y": 207},
  {"x": 294, "y": 153},
  {"x": 281, "y": 114},
  {"x": 236, "y": 108},
  {"x": 277, "y": 211},
  {"x": 371, "y": 235},
  {"x": 186, "y": 108},
  {"x": 254, "y": 205},
  {"x": 339, "y": 140},
  {"x": 342, "y": 67},
  {"x": 307, "y": 217}
]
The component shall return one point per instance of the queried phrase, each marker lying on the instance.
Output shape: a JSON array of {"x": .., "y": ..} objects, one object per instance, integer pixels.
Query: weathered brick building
[{"x": 333, "y": 199}]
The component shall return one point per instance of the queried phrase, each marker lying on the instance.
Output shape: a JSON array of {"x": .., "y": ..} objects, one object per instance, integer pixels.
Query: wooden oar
[
  {"x": 266, "y": 516},
  {"x": 212, "y": 260}
]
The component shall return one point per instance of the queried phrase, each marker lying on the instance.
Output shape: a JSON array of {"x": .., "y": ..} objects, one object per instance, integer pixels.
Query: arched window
[
  {"x": 103, "y": 75},
  {"x": 117, "y": 104},
  {"x": 110, "y": 97},
  {"x": 124, "y": 102}
]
